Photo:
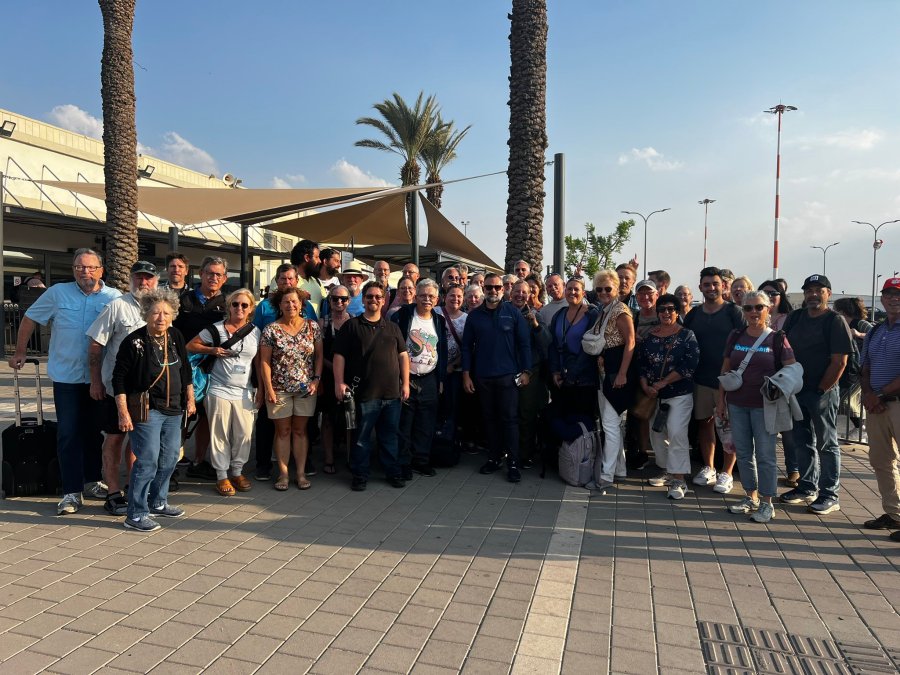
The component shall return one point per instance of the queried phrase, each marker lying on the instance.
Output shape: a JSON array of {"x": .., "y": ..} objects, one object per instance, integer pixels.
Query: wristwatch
[
  {"x": 316, "y": 378},
  {"x": 880, "y": 394}
]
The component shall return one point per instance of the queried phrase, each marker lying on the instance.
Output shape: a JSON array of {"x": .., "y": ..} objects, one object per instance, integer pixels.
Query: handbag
[
  {"x": 138, "y": 403},
  {"x": 733, "y": 379},
  {"x": 644, "y": 406},
  {"x": 593, "y": 342}
]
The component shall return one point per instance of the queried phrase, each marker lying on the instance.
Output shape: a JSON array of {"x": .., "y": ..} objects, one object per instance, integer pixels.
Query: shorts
[
  {"x": 111, "y": 417},
  {"x": 291, "y": 405},
  {"x": 704, "y": 401}
]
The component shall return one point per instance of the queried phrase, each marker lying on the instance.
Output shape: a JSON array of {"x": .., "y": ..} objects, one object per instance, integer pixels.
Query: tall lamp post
[
  {"x": 646, "y": 218},
  {"x": 779, "y": 110},
  {"x": 465, "y": 224},
  {"x": 824, "y": 253},
  {"x": 705, "y": 202},
  {"x": 876, "y": 244}
]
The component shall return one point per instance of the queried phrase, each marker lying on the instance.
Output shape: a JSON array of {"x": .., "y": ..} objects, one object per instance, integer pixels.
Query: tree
[
  {"x": 119, "y": 140},
  {"x": 595, "y": 252},
  {"x": 439, "y": 150},
  {"x": 527, "y": 132}
]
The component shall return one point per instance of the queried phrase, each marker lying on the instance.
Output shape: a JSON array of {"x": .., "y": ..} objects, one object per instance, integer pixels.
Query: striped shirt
[{"x": 881, "y": 352}]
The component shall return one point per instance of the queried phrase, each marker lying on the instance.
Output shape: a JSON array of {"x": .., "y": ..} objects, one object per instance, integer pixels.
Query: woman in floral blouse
[
  {"x": 667, "y": 358},
  {"x": 291, "y": 358}
]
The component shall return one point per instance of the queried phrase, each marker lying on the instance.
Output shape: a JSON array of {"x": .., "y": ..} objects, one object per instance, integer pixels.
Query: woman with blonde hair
[
  {"x": 232, "y": 344},
  {"x": 739, "y": 287}
]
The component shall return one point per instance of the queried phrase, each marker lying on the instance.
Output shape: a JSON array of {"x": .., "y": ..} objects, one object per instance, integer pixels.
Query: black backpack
[{"x": 852, "y": 371}]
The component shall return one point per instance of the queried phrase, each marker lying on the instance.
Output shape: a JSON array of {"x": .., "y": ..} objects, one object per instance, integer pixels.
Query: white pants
[
  {"x": 610, "y": 462},
  {"x": 230, "y": 431},
  {"x": 673, "y": 451}
]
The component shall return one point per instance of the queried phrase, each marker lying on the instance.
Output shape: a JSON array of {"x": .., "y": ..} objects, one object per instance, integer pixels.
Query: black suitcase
[{"x": 30, "y": 464}]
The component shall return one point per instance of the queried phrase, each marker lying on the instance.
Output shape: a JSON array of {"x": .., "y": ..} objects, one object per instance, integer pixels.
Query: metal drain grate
[{"x": 867, "y": 658}]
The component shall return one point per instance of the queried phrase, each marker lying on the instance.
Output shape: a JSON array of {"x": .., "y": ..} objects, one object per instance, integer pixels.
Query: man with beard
[
  {"x": 382, "y": 272},
  {"x": 556, "y": 294},
  {"x": 305, "y": 257},
  {"x": 496, "y": 360},
  {"x": 116, "y": 321},
  {"x": 353, "y": 279},
  {"x": 712, "y": 323},
  {"x": 522, "y": 269},
  {"x": 177, "y": 267},
  {"x": 72, "y": 307},
  {"x": 822, "y": 343},
  {"x": 329, "y": 268}
]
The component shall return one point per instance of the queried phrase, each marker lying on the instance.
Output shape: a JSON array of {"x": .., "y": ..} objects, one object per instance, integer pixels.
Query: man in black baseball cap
[{"x": 816, "y": 280}]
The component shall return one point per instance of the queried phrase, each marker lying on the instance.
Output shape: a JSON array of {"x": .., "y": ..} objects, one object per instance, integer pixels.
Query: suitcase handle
[{"x": 40, "y": 399}]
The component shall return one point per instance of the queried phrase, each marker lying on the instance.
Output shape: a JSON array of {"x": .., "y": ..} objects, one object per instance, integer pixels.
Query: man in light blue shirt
[{"x": 72, "y": 307}]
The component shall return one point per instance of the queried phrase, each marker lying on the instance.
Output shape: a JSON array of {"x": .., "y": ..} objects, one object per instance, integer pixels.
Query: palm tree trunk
[
  {"x": 119, "y": 140},
  {"x": 527, "y": 132},
  {"x": 435, "y": 193}
]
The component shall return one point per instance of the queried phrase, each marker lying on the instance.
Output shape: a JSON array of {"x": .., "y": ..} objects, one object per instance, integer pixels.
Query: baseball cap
[
  {"x": 144, "y": 267},
  {"x": 819, "y": 279},
  {"x": 893, "y": 282},
  {"x": 645, "y": 282}
]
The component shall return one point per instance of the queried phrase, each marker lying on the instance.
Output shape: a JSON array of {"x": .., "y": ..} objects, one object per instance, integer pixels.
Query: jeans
[
  {"x": 532, "y": 400},
  {"x": 78, "y": 439},
  {"x": 156, "y": 444},
  {"x": 815, "y": 437},
  {"x": 755, "y": 449},
  {"x": 499, "y": 397},
  {"x": 383, "y": 417},
  {"x": 448, "y": 409},
  {"x": 418, "y": 416}
]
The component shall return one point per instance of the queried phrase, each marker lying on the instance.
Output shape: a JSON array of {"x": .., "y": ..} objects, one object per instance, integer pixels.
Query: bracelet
[{"x": 315, "y": 378}]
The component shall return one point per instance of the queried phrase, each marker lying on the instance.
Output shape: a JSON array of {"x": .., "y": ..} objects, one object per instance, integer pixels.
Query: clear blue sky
[{"x": 655, "y": 104}]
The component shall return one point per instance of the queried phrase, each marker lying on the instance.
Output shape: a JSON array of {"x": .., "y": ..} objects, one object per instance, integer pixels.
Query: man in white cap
[{"x": 353, "y": 279}]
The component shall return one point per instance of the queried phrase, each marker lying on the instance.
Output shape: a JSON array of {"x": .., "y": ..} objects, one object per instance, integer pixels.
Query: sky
[{"x": 654, "y": 104}]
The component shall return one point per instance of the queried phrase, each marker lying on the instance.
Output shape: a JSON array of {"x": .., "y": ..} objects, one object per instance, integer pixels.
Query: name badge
[{"x": 240, "y": 369}]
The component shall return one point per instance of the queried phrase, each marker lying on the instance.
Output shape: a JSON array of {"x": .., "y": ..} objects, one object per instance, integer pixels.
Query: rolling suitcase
[{"x": 30, "y": 465}]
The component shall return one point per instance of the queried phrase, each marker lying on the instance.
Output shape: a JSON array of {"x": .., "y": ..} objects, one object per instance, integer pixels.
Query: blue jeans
[
  {"x": 383, "y": 417},
  {"x": 78, "y": 439},
  {"x": 815, "y": 437},
  {"x": 755, "y": 450},
  {"x": 418, "y": 416},
  {"x": 155, "y": 444}
]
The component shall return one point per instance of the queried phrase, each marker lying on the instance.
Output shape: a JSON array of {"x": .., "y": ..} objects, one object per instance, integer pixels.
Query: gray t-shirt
[
  {"x": 230, "y": 376},
  {"x": 548, "y": 311},
  {"x": 812, "y": 347},
  {"x": 115, "y": 321}
]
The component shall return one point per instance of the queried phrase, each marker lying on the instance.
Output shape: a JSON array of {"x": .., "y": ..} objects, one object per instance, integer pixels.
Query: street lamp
[
  {"x": 779, "y": 110},
  {"x": 646, "y": 218},
  {"x": 465, "y": 224},
  {"x": 876, "y": 244},
  {"x": 706, "y": 202},
  {"x": 824, "y": 252}
]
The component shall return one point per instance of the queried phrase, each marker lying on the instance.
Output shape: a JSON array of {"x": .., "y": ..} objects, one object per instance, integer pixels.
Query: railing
[
  {"x": 848, "y": 431},
  {"x": 38, "y": 345}
]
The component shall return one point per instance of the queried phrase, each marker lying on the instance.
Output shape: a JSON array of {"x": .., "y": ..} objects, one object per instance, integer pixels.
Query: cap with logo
[
  {"x": 144, "y": 267},
  {"x": 816, "y": 279},
  {"x": 892, "y": 283},
  {"x": 648, "y": 283}
]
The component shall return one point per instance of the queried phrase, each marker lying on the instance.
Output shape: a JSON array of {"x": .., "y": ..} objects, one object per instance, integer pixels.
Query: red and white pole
[
  {"x": 779, "y": 110},
  {"x": 705, "y": 202}
]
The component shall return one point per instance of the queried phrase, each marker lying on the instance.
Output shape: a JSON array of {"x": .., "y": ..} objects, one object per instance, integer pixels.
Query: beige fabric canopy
[{"x": 443, "y": 236}]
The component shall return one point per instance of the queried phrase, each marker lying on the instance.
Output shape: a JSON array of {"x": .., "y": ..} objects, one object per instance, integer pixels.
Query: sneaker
[
  {"x": 724, "y": 483},
  {"x": 396, "y": 481},
  {"x": 745, "y": 507},
  {"x": 513, "y": 475},
  {"x": 263, "y": 474},
  {"x": 470, "y": 448},
  {"x": 489, "y": 466},
  {"x": 706, "y": 476},
  {"x": 116, "y": 504},
  {"x": 359, "y": 484},
  {"x": 636, "y": 460},
  {"x": 660, "y": 481},
  {"x": 423, "y": 468},
  {"x": 677, "y": 490},
  {"x": 167, "y": 511},
  {"x": 796, "y": 497},
  {"x": 310, "y": 469},
  {"x": 145, "y": 524},
  {"x": 825, "y": 505},
  {"x": 527, "y": 464},
  {"x": 894, "y": 536},
  {"x": 764, "y": 514},
  {"x": 70, "y": 503},
  {"x": 883, "y": 522},
  {"x": 96, "y": 490},
  {"x": 792, "y": 480},
  {"x": 184, "y": 461},
  {"x": 203, "y": 471}
]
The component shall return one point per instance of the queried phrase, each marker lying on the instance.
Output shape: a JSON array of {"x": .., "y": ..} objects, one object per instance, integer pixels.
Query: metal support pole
[
  {"x": 173, "y": 238},
  {"x": 2, "y": 274},
  {"x": 245, "y": 254},
  {"x": 414, "y": 227},
  {"x": 875, "y": 248},
  {"x": 559, "y": 212}
]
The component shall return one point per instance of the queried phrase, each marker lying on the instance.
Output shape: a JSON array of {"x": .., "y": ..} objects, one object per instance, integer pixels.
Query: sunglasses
[
  {"x": 772, "y": 294},
  {"x": 604, "y": 289},
  {"x": 493, "y": 287},
  {"x": 374, "y": 297},
  {"x": 340, "y": 298},
  {"x": 752, "y": 308},
  {"x": 665, "y": 309},
  {"x": 242, "y": 305}
]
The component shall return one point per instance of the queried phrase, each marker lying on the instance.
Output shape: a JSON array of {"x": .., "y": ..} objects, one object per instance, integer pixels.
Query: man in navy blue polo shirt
[{"x": 881, "y": 396}]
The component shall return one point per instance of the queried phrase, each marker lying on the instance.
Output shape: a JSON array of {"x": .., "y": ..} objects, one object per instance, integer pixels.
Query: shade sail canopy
[
  {"x": 443, "y": 236},
  {"x": 373, "y": 222}
]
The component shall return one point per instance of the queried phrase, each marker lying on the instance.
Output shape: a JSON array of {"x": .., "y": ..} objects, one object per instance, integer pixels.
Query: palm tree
[
  {"x": 438, "y": 152},
  {"x": 406, "y": 130},
  {"x": 527, "y": 131},
  {"x": 119, "y": 140}
]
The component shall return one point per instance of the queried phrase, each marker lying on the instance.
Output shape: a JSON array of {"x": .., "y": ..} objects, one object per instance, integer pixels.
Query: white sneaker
[
  {"x": 677, "y": 489},
  {"x": 661, "y": 480},
  {"x": 70, "y": 503},
  {"x": 765, "y": 513},
  {"x": 706, "y": 476},
  {"x": 724, "y": 483},
  {"x": 745, "y": 507}
]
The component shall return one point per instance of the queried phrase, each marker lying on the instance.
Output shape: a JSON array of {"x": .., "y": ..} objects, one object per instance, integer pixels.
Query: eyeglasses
[
  {"x": 665, "y": 309},
  {"x": 242, "y": 305},
  {"x": 369, "y": 296},
  {"x": 339, "y": 298},
  {"x": 756, "y": 308},
  {"x": 217, "y": 275},
  {"x": 452, "y": 278},
  {"x": 604, "y": 289},
  {"x": 86, "y": 268},
  {"x": 427, "y": 296},
  {"x": 493, "y": 287}
]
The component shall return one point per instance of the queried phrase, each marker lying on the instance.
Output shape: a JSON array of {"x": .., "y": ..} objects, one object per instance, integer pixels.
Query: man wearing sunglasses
[
  {"x": 822, "y": 343},
  {"x": 496, "y": 360},
  {"x": 72, "y": 307}
]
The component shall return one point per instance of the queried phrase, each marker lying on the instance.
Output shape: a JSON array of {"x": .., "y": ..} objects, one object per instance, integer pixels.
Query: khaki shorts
[
  {"x": 704, "y": 402},
  {"x": 291, "y": 405}
]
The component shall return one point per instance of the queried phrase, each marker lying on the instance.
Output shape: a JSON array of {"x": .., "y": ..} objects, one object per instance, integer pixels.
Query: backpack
[
  {"x": 852, "y": 371},
  {"x": 202, "y": 364},
  {"x": 576, "y": 458}
]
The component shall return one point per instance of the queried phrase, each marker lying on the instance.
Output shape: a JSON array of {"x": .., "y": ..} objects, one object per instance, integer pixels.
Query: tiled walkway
[{"x": 456, "y": 572}]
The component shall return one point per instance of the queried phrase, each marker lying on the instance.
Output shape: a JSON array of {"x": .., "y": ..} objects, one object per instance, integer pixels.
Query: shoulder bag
[
  {"x": 139, "y": 402},
  {"x": 733, "y": 379},
  {"x": 593, "y": 342}
]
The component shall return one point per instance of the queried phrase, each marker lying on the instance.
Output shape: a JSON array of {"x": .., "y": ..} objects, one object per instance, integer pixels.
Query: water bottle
[{"x": 349, "y": 410}]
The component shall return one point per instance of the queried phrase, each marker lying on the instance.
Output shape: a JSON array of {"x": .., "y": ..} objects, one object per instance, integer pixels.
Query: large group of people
[{"x": 480, "y": 362}]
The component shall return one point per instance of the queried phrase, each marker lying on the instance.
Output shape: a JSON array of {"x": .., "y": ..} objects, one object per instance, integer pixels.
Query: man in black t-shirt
[{"x": 370, "y": 358}]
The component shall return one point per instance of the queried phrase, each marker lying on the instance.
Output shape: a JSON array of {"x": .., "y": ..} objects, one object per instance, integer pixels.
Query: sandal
[
  {"x": 225, "y": 488},
  {"x": 329, "y": 468},
  {"x": 302, "y": 483},
  {"x": 282, "y": 483}
]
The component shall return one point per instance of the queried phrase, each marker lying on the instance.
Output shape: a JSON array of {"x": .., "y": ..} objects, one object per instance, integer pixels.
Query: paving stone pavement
[{"x": 460, "y": 572}]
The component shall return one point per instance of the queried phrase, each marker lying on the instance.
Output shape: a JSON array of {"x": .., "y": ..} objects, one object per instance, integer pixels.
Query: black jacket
[
  {"x": 403, "y": 318},
  {"x": 134, "y": 370}
]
